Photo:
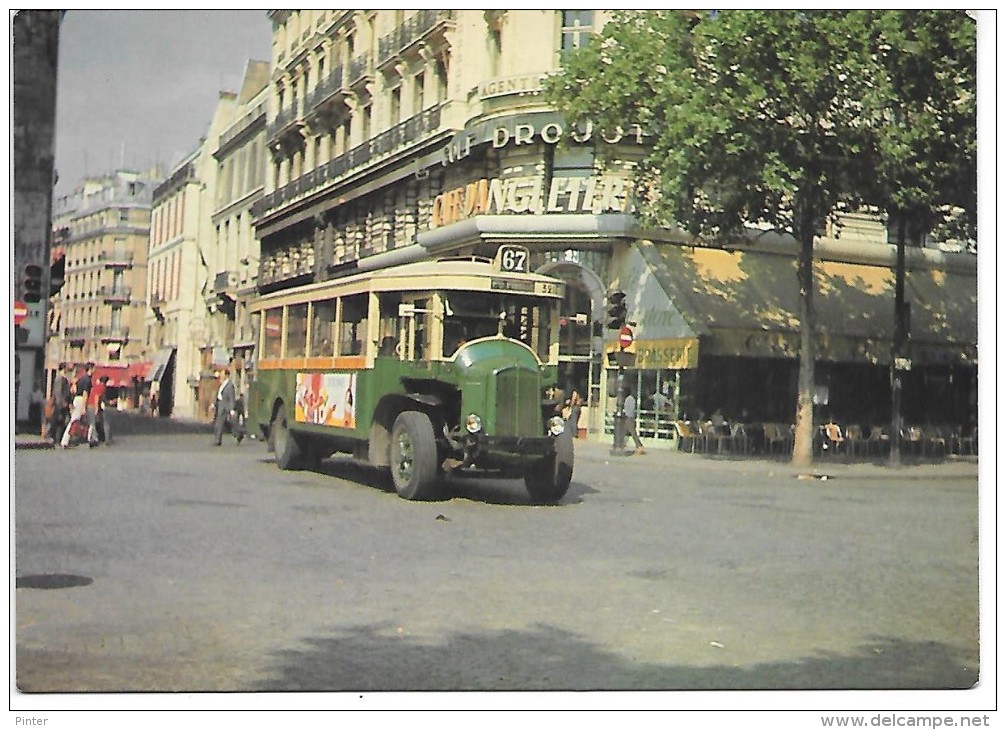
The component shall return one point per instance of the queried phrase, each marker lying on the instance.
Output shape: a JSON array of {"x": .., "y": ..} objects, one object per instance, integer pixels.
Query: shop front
[{"x": 717, "y": 330}]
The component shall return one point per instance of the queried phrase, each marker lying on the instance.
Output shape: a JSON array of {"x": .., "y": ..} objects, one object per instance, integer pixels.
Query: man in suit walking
[
  {"x": 60, "y": 398},
  {"x": 224, "y": 406}
]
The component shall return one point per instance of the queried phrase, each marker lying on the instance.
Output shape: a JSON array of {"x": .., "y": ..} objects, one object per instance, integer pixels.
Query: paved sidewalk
[
  {"x": 662, "y": 457},
  {"x": 658, "y": 457},
  {"x": 125, "y": 424}
]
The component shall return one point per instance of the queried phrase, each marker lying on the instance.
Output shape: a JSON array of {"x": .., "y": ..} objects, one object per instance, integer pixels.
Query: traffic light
[
  {"x": 32, "y": 283},
  {"x": 616, "y": 309},
  {"x": 57, "y": 273}
]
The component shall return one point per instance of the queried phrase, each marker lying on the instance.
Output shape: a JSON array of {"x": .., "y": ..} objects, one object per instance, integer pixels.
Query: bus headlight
[
  {"x": 473, "y": 424},
  {"x": 556, "y": 425}
]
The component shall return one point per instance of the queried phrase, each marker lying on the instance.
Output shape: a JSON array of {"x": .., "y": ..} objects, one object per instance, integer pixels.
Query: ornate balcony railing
[
  {"x": 284, "y": 120},
  {"x": 410, "y": 31},
  {"x": 327, "y": 87},
  {"x": 111, "y": 332},
  {"x": 115, "y": 293},
  {"x": 360, "y": 67},
  {"x": 116, "y": 258},
  {"x": 411, "y": 130}
]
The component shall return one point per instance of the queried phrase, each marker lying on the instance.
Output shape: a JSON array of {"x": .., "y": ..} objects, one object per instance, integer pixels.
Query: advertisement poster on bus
[{"x": 326, "y": 399}]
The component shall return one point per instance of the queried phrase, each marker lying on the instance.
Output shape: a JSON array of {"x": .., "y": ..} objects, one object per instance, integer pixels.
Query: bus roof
[{"x": 470, "y": 274}]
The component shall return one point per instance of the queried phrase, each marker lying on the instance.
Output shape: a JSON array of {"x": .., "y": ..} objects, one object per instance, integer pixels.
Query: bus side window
[
  {"x": 419, "y": 345},
  {"x": 323, "y": 329},
  {"x": 273, "y": 333},
  {"x": 388, "y": 329},
  {"x": 296, "y": 330},
  {"x": 353, "y": 327}
]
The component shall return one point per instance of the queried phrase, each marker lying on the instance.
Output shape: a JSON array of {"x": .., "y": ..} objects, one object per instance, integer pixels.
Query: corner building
[
  {"x": 395, "y": 135},
  {"x": 100, "y": 233}
]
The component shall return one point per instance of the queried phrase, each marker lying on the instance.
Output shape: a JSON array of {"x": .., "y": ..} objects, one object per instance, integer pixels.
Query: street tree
[
  {"x": 926, "y": 177},
  {"x": 756, "y": 119}
]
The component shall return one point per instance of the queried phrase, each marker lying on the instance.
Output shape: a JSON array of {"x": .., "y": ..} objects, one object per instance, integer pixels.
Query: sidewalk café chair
[
  {"x": 913, "y": 439},
  {"x": 778, "y": 433},
  {"x": 711, "y": 436},
  {"x": 876, "y": 441},
  {"x": 738, "y": 441},
  {"x": 854, "y": 437},
  {"x": 687, "y": 437},
  {"x": 935, "y": 437},
  {"x": 769, "y": 435},
  {"x": 967, "y": 445}
]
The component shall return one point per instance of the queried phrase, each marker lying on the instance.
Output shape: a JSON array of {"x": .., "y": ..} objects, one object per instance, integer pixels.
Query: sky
[{"x": 139, "y": 87}]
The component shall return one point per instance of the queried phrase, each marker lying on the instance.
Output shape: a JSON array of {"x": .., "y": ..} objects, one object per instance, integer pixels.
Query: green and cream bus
[{"x": 427, "y": 368}]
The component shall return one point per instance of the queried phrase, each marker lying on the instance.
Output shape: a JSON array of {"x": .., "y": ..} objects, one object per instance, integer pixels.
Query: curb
[{"x": 32, "y": 443}]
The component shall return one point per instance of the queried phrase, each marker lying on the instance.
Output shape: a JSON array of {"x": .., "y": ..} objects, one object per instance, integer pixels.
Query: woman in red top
[{"x": 95, "y": 405}]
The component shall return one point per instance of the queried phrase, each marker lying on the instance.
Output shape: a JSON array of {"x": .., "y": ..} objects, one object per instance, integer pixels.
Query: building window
[
  {"x": 365, "y": 123},
  {"x": 396, "y": 106},
  {"x": 577, "y": 25},
  {"x": 495, "y": 51},
  {"x": 417, "y": 93},
  {"x": 441, "y": 69}
]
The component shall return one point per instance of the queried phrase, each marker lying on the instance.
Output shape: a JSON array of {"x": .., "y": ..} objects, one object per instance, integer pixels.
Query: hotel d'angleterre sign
[
  {"x": 528, "y": 195},
  {"x": 588, "y": 194}
]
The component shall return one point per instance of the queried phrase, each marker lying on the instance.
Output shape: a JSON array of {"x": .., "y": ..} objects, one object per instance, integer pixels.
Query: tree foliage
[
  {"x": 753, "y": 115},
  {"x": 927, "y": 134}
]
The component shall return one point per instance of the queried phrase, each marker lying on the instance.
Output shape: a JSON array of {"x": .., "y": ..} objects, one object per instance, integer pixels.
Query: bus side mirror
[{"x": 406, "y": 310}]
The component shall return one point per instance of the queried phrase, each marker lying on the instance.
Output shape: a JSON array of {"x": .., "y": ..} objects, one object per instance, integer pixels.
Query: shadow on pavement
[
  {"x": 130, "y": 423},
  {"x": 377, "y": 658}
]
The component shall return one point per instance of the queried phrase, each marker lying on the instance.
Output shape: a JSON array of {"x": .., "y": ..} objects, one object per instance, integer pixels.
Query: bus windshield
[{"x": 472, "y": 315}]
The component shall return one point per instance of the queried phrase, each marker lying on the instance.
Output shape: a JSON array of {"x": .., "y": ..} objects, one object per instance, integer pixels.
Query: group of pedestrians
[{"x": 76, "y": 409}]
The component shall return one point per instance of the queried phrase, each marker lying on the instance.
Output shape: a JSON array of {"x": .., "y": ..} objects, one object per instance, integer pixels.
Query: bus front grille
[{"x": 518, "y": 403}]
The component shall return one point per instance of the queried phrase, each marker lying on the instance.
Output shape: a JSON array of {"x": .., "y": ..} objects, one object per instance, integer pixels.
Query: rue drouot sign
[{"x": 547, "y": 127}]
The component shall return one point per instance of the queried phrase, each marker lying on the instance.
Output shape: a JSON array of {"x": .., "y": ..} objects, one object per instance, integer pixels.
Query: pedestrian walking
[
  {"x": 60, "y": 399},
  {"x": 104, "y": 413},
  {"x": 76, "y": 422},
  {"x": 572, "y": 412},
  {"x": 95, "y": 402},
  {"x": 238, "y": 427},
  {"x": 85, "y": 384},
  {"x": 629, "y": 420},
  {"x": 225, "y": 412}
]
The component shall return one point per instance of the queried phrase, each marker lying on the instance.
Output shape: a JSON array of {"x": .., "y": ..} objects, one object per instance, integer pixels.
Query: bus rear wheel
[
  {"x": 413, "y": 456},
  {"x": 288, "y": 452},
  {"x": 548, "y": 480}
]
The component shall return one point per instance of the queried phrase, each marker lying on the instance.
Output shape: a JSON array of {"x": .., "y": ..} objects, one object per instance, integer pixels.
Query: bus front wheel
[
  {"x": 548, "y": 480},
  {"x": 413, "y": 456},
  {"x": 288, "y": 455}
]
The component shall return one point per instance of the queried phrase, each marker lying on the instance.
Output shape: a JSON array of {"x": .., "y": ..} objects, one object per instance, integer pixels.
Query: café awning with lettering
[{"x": 745, "y": 303}]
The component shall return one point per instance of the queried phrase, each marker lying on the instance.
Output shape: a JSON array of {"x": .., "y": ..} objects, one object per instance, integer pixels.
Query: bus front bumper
[{"x": 500, "y": 452}]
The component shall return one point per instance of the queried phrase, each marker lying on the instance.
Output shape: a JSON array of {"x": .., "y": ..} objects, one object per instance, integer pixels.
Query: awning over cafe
[
  {"x": 746, "y": 303},
  {"x": 159, "y": 364},
  {"x": 121, "y": 375}
]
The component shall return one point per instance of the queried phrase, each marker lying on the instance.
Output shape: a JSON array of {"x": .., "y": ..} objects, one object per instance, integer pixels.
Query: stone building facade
[
  {"x": 204, "y": 254},
  {"x": 102, "y": 230}
]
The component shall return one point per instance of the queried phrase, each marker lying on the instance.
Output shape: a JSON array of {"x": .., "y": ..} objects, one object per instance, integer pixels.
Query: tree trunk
[
  {"x": 803, "y": 437},
  {"x": 899, "y": 345}
]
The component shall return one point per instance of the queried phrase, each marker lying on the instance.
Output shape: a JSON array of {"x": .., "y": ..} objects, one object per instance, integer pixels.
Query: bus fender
[{"x": 379, "y": 446}]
